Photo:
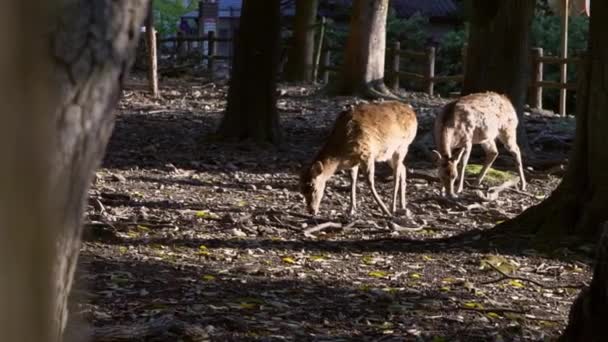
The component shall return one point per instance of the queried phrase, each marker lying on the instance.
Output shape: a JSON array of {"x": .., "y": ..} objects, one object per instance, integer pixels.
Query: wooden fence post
[
  {"x": 315, "y": 67},
  {"x": 326, "y": 65},
  {"x": 182, "y": 45},
  {"x": 396, "y": 51},
  {"x": 430, "y": 72},
  {"x": 210, "y": 51},
  {"x": 535, "y": 91},
  {"x": 152, "y": 53}
]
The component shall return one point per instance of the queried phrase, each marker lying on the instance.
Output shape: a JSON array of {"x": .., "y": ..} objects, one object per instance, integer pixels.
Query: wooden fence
[
  {"x": 427, "y": 59},
  {"x": 394, "y": 54},
  {"x": 181, "y": 46},
  {"x": 537, "y": 83}
]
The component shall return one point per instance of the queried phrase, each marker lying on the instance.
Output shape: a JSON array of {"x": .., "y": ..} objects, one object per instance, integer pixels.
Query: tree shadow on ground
[
  {"x": 499, "y": 240},
  {"x": 188, "y": 141},
  {"x": 232, "y": 305}
]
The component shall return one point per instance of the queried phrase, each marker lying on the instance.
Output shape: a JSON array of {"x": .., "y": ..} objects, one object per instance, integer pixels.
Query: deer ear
[
  {"x": 317, "y": 169},
  {"x": 436, "y": 156},
  {"x": 456, "y": 158}
]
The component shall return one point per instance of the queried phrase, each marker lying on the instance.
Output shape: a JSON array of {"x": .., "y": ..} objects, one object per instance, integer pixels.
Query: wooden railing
[
  {"x": 537, "y": 83},
  {"x": 181, "y": 47},
  {"x": 427, "y": 58}
]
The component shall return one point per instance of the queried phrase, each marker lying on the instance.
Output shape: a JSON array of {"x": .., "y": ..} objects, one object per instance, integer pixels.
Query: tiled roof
[
  {"x": 404, "y": 8},
  {"x": 427, "y": 8}
]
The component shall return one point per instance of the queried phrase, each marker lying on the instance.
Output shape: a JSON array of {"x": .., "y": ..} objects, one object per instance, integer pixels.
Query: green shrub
[{"x": 167, "y": 14}]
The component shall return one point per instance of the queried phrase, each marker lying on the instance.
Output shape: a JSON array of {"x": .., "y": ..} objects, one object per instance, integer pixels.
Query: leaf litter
[{"x": 211, "y": 238}]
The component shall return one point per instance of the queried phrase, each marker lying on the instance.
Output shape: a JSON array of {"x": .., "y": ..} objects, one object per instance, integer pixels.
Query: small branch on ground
[
  {"x": 495, "y": 310},
  {"x": 493, "y": 192},
  {"x": 327, "y": 225},
  {"x": 505, "y": 276},
  {"x": 398, "y": 228}
]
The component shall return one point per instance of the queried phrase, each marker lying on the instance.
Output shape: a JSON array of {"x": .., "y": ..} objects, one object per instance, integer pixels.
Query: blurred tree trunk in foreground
[
  {"x": 589, "y": 313},
  {"x": 63, "y": 65}
]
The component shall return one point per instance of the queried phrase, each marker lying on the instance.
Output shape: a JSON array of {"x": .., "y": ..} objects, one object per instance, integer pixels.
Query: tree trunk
[
  {"x": 58, "y": 116},
  {"x": 589, "y": 313},
  {"x": 498, "y": 53},
  {"x": 251, "y": 112},
  {"x": 301, "y": 55},
  {"x": 363, "y": 69},
  {"x": 580, "y": 203}
]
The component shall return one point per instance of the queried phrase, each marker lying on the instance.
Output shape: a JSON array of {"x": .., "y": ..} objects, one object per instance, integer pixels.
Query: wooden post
[
  {"x": 563, "y": 77},
  {"x": 201, "y": 26},
  {"x": 210, "y": 51},
  {"x": 181, "y": 45},
  {"x": 326, "y": 65},
  {"x": 152, "y": 55},
  {"x": 396, "y": 51},
  {"x": 315, "y": 68},
  {"x": 430, "y": 72},
  {"x": 535, "y": 91}
]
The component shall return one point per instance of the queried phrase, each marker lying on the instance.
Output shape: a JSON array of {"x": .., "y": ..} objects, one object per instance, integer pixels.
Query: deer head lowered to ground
[
  {"x": 474, "y": 119},
  {"x": 361, "y": 136}
]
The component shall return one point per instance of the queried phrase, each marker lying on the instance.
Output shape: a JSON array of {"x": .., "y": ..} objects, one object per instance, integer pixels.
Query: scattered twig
[
  {"x": 308, "y": 231},
  {"x": 422, "y": 175},
  {"x": 398, "y": 228},
  {"x": 510, "y": 277},
  {"x": 495, "y": 310},
  {"x": 493, "y": 192}
]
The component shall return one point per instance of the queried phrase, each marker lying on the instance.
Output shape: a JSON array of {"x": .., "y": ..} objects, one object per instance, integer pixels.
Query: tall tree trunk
[
  {"x": 301, "y": 53},
  {"x": 498, "y": 53},
  {"x": 251, "y": 112},
  {"x": 580, "y": 203},
  {"x": 363, "y": 69},
  {"x": 57, "y": 130}
]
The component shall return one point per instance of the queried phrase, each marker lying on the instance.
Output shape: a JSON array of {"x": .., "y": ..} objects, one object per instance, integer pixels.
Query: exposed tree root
[{"x": 379, "y": 90}]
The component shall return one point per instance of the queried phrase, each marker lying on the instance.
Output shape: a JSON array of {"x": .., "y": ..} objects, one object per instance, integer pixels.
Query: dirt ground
[{"x": 192, "y": 239}]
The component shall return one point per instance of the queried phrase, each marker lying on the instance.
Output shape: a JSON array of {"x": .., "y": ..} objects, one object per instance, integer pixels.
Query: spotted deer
[
  {"x": 474, "y": 119},
  {"x": 361, "y": 136}
]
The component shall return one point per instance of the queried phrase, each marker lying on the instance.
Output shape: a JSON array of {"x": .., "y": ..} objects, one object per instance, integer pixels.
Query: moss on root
[{"x": 493, "y": 177}]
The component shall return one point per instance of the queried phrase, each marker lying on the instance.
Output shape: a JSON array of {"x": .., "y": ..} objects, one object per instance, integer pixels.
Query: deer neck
[{"x": 330, "y": 166}]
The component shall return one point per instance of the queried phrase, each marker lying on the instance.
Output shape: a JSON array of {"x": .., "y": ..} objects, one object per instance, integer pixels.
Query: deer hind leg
[
  {"x": 354, "y": 172},
  {"x": 491, "y": 151},
  {"x": 509, "y": 140},
  {"x": 465, "y": 160},
  {"x": 371, "y": 169}
]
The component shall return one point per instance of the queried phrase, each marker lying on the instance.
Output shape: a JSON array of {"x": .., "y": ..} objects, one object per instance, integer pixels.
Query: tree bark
[
  {"x": 589, "y": 312},
  {"x": 251, "y": 112},
  {"x": 498, "y": 53},
  {"x": 301, "y": 56},
  {"x": 364, "y": 55},
  {"x": 580, "y": 203},
  {"x": 58, "y": 116}
]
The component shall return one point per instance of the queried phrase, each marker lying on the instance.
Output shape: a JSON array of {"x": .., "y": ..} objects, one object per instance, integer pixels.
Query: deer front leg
[
  {"x": 465, "y": 161},
  {"x": 370, "y": 178}
]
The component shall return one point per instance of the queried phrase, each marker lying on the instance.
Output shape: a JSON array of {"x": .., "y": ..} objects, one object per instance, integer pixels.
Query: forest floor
[{"x": 192, "y": 239}]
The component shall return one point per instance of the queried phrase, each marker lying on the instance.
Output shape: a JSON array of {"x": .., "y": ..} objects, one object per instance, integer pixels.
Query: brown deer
[
  {"x": 363, "y": 135},
  {"x": 474, "y": 119}
]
